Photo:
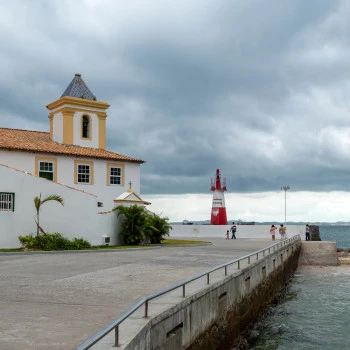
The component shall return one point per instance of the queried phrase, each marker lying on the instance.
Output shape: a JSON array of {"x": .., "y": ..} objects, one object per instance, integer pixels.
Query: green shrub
[
  {"x": 133, "y": 225},
  {"x": 81, "y": 243},
  {"x": 158, "y": 228},
  {"x": 27, "y": 241},
  {"x": 53, "y": 241},
  {"x": 139, "y": 225}
]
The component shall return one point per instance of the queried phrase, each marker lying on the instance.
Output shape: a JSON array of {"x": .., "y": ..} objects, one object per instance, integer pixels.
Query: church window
[
  {"x": 46, "y": 170},
  {"x": 115, "y": 176},
  {"x": 7, "y": 201},
  {"x": 85, "y": 124},
  {"x": 84, "y": 172}
]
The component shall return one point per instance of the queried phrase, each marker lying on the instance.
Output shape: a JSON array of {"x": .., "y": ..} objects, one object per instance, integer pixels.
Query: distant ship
[
  {"x": 186, "y": 222},
  {"x": 241, "y": 222}
]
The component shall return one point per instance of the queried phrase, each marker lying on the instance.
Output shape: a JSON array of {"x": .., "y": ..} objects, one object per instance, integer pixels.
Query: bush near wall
[
  {"x": 140, "y": 225},
  {"x": 53, "y": 241}
]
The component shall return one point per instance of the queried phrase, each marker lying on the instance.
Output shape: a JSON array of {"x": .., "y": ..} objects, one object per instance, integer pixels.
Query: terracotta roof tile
[{"x": 39, "y": 142}]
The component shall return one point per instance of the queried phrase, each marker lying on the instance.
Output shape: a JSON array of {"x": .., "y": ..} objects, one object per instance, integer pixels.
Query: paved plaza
[{"x": 57, "y": 301}]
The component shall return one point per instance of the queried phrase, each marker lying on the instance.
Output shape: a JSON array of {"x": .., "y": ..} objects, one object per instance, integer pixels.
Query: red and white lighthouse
[{"x": 218, "y": 210}]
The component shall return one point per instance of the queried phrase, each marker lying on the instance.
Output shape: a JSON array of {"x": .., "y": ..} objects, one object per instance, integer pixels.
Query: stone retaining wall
[
  {"x": 321, "y": 253},
  {"x": 217, "y": 316}
]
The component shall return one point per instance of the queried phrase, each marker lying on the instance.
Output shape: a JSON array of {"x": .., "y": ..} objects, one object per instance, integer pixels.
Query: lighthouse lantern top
[{"x": 216, "y": 183}]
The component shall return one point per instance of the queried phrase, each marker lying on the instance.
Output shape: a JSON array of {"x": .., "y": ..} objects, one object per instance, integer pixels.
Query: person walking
[
  {"x": 228, "y": 234},
  {"x": 307, "y": 232},
  {"x": 273, "y": 231},
  {"x": 233, "y": 230},
  {"x": 282, "y": 232}
]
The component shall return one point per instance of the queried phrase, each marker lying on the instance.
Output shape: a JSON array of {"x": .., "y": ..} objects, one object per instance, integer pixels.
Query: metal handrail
[{"x": 144, "y": 301}]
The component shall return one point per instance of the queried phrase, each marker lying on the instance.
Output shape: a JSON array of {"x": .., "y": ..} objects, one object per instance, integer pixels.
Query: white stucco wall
[
  {"x": 77, "y": 140},
  {"x": 243, "y": 231},
  {"x": 78, "y": 218},
  {"x": 106, "y": 194},
  {"x": 65, "y": 174},
  {"x": 58, "y": 127},
  {"x": 19, "y": 160}
]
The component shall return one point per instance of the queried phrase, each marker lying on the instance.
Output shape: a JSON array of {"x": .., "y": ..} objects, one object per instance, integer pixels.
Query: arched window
[{"x": 85, "y": 124}]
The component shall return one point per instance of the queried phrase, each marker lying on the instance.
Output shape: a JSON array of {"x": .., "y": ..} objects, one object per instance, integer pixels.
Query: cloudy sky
[{"x": 257, "y": 88}]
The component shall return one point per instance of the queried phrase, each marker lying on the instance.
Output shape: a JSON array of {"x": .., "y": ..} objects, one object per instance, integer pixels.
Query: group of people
[
  {"x": 233, "y": 230},
  {"x": 282, "y": 231}
]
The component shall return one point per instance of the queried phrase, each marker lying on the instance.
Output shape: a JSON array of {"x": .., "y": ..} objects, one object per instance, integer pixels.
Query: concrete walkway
[{"x": 57, "y": 301}]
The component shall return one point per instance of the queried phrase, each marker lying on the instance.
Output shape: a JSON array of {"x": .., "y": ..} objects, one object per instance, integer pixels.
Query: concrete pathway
[{"x": 57, "y": 301}]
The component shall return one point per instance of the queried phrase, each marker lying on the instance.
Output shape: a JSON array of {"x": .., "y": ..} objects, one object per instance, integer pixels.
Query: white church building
[{"x": 71, "y": 161}]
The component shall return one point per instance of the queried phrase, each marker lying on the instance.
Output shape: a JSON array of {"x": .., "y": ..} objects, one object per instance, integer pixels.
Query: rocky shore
[{"x": 343, "y": 256}]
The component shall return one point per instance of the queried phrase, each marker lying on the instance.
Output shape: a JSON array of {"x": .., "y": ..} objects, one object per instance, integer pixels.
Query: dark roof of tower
[{"x": 77, "y": 88}]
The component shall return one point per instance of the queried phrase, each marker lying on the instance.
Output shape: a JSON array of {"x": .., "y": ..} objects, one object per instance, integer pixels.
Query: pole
[
  {"x": 285, "y": 188},
  {"x": 285, "y": 207}
]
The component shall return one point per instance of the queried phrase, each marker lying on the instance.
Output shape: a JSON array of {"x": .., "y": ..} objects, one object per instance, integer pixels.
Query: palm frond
[
  {"x": 53, "y": 197},
  {"x": 37, "y": 203}
]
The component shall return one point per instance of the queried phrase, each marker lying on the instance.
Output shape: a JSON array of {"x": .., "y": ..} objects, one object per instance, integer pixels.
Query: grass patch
[
  {"x": 167, "y": 242},
  {"x": 182, "y": 241},
  {"x": 8, "y": 250},
  {"x": 121, "y": 246}
]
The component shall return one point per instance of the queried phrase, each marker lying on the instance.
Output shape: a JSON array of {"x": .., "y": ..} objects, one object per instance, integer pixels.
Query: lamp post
[{"x": 285, "y": 188}]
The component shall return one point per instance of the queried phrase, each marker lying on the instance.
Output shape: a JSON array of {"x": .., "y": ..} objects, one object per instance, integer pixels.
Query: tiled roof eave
[{"x": 75, "y": 155}]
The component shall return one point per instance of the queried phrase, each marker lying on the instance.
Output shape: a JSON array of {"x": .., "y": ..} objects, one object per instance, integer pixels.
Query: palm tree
[
  {"x": 38, "y": 202},
  {"x": 133, "y": 225},
  {"x": 158, "y": 228}
]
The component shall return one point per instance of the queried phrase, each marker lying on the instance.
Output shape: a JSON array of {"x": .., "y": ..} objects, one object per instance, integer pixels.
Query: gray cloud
[{"x": 257, "y": 88}]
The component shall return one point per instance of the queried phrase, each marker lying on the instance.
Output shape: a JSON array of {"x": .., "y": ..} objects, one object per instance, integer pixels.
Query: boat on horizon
[
  {"x": 186, "y": 222},
  {"x": 241, "y": 222}
]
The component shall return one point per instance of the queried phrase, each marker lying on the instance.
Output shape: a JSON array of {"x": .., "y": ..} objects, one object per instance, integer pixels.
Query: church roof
[
  {"x": 39, "y": 142},
  {"x": 78, "y": 88}
]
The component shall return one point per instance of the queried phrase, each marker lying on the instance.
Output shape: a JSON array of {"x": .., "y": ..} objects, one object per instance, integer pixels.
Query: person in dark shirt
[
  {"x": 307, "y": 232},
  {"x": 233, "y": 230}
]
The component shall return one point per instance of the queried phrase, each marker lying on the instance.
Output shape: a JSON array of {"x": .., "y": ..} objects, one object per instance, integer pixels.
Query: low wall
[
  {"x": 318, "y": 253},
  {"x": 243, "y": 231},
  {"x": 217, "y": 316},
  {"x": 77, "y": 218}
]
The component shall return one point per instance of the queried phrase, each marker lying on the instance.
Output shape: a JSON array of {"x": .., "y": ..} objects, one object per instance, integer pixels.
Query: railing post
[
  {"x": 257, "y": 256},
  {"x": 183, "y": 291},
  {"x": 248, "y": 259},
  {"x": 146, "y": 308},
  {"x": 239, "y": 264},
  {"x": 225, "y": 270},
  {"x": 207, "y": 278},
  {"x": 116, "y": 336}
]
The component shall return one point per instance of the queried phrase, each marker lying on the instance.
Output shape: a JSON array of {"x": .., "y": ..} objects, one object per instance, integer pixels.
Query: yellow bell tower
[{"x": 77, "y": 118}]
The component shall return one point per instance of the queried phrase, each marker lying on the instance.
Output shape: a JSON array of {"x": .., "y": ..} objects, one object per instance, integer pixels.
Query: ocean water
[
  {"x": 338, "y": 233},
  {"x": 315, "y": 313}
]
